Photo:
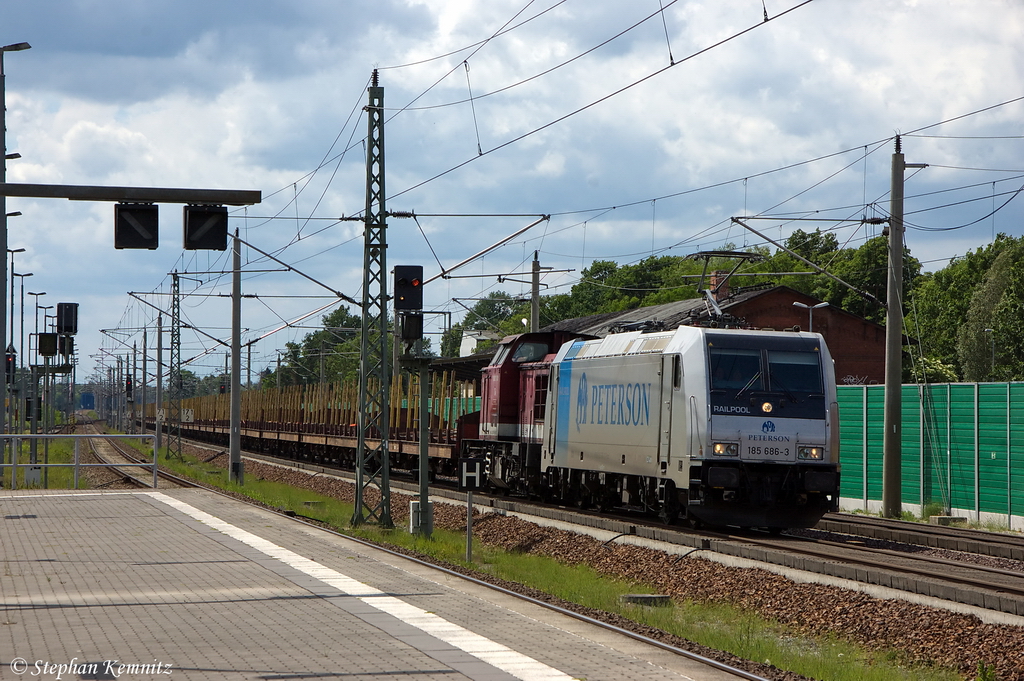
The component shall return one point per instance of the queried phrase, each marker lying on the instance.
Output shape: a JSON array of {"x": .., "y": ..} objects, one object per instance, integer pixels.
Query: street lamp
[
  {"x": 41, "y": 293},
  {"x": 21, "y": 335},
  {"x": 21, "y": 347},
  {"x": 9, "y": 409},
  {"x": 12, "y": 251},
  {"x": 13, "y": 47},
  {"x": 810, "y": 313}
]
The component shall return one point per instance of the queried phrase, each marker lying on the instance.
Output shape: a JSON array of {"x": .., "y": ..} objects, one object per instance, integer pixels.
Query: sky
[{"x": 639, "y": 128}]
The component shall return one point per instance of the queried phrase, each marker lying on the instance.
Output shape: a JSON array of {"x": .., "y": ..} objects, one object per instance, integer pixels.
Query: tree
[
  {"x": 186, "y": 388},
  {"x": 451, "y": 341},
  {"x": 1007, "y": 341},
  {"x": 591, "y": 293},
  {"x": 867, "y": 269},
  {"x": 820, "y": 248},
  {"x": 941, "y": 300},
  {"x": 812, "y": 246},
  {"x": 973, "y": 341},
  {"x": 927, "y": 370},
  {"x": 328, "y": 354}
]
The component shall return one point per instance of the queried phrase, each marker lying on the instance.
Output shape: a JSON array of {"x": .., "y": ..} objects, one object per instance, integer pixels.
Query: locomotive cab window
[
  {"x": 735, "y": 369},
  {"x": 499, "y": 357},
  {"x": 530, "y": 352},
  {"x": 799, "y": 372}
]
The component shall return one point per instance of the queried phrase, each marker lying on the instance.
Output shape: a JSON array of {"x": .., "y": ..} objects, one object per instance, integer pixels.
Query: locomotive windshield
[
  {"x": 782, "y": 373},
  {"x": 530, "y": 352},
  {"x": 735, "y": 369},
  {"x": 798, "y": 372}
]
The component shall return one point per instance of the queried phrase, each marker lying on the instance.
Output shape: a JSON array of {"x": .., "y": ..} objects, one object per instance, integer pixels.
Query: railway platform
[{"x": 188, "y": 584}]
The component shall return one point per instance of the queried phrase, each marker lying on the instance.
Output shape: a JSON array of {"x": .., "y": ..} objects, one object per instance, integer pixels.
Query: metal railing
[{"x": 34, "y": 469}]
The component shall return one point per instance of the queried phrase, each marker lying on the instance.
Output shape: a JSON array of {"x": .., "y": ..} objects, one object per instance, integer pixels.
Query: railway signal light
[
  {"x": 206, "y": 228},
  {"x": 408, "y": 287},
  {"x": 136, "y": 225},
  {"x": 48, "y": 344},
  {"x": 128, "y": 388},
  {"x": 67, "y": 319},
  {"x": 9, "y": 363}
]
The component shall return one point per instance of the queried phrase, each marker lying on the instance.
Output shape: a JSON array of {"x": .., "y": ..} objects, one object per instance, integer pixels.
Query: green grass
[
  {"x": 56, "y": 451},
  {"x": 718, "y": 626},
  {"x": 935, "y": 508}
]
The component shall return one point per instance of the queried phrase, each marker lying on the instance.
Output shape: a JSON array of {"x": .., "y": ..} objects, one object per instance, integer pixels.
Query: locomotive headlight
[
  {"x": 812, "y": 453},
  {"x": 766, "y": 407},
  {"x": 726, "y": 449}
]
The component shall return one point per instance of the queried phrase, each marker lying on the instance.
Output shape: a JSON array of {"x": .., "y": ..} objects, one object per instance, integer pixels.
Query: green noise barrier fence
[{"x": 962, "y": 449}]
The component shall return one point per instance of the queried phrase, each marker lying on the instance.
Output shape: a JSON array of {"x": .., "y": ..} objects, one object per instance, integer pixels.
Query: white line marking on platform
[{"x": 493, "y": 653}]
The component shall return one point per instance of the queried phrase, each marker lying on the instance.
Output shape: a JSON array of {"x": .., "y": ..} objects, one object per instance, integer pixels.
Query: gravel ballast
[{"x": 920, "y": 634}]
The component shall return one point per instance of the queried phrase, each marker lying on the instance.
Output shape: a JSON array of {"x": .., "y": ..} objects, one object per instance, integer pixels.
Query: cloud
[{"x": 268, "y": 94}]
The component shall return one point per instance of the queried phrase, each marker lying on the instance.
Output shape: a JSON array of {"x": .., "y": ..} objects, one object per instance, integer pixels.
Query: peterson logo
[
  {"x": 768, "y": 427},
  {"x": 613, "y": 404}
]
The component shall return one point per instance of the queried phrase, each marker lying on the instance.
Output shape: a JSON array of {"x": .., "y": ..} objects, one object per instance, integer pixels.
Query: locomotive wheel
[{"x": 669, "y": 513}]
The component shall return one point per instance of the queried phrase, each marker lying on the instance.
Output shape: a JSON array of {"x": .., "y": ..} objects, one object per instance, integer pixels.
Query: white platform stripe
[{"x": 500, "y": 656}]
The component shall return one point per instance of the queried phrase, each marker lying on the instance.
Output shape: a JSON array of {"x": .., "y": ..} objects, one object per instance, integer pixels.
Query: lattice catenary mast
[{"x": 372, "y": 457}]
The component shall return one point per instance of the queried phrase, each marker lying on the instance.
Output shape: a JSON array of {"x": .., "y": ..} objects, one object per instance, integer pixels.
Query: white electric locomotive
[{"x": 724, "y": 427}]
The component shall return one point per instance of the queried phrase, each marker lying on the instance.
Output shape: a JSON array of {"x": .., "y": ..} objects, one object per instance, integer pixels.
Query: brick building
[{"x": 857, "y": 345}]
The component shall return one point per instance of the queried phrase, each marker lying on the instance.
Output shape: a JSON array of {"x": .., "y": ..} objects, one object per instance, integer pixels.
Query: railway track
[
  {"x": 981, "y": 542},
  {"x": 125, "y": 463},
  {"x": 903, "y": 564},
  {"x": 117, "y": 455},
  {"x": 904, "y": 623},
  {"x": 990, "y": 584}
]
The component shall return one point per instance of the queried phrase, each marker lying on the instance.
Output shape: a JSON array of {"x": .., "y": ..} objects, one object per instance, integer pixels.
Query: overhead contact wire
[{"x": 598, "y": 101}]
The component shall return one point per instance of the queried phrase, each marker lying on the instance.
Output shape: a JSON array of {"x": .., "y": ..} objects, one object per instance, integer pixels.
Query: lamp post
[
  {"x": 19, "y": 378},
  {"x": 13, "y": 47},
  {"x": 13, "y": 251},
  {"x": 810, "y": 313},
  {"x": 41, "y": 293},
  {"x": 21, "y": 333}
]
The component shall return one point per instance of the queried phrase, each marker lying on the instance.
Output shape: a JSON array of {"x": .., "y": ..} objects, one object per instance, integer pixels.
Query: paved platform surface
[{"x": 191, "y": 585}]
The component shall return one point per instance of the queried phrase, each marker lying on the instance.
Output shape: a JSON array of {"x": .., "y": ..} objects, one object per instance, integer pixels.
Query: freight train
[{"x": 715, "y": 426}]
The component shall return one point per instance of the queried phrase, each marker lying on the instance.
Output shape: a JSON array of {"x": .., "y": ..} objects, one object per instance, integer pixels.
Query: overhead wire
[
  {"x": 554, "y": 68},
  {"x": 599, "y": 100},
  {"x": 594, "y": 103},
  {"x": 480, "y": 43},
  {"x": 437, "y": 82}
]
